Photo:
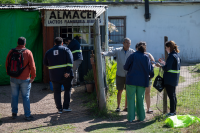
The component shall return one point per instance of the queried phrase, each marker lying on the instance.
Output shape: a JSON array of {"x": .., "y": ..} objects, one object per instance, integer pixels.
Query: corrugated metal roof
[{"x": 99, "y": 9}]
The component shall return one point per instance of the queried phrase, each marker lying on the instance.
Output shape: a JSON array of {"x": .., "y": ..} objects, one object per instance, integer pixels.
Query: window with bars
[
  {"x": 84, "y": 34},
  {"x": 116, "y": 37}
]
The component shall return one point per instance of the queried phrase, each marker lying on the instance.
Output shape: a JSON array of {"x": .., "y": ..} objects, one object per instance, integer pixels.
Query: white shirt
[{"x": 121, "y": 56}]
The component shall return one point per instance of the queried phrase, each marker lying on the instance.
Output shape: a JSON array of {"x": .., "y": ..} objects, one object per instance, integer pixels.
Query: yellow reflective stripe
[
  {"x": 174, "y": 71},
  {"x": 60, "y": 66},
  {"x": 76, "y": 51}
]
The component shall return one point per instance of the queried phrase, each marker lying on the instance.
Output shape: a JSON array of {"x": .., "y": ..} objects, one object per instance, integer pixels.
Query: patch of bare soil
[{"x": 45, "y": 113}]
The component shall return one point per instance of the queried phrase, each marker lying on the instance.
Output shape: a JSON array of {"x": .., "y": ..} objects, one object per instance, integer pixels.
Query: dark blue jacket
[
  {"x": 75, "y": 45},
  {"x": 139, "y": 69},
  {"x": 173, "y": 62},
  {"x": 58, "y": 55}
]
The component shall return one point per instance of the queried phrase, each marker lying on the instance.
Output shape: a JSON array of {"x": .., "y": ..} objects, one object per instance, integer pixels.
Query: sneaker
[
  {"x": 170, "y": 114},
  {"x": 14, "y": 116},
  {"x": 117, "y": 110},
  {"x": 67, "y": 110},
  {"x": 29, "y": 118},
  {"x": 60, "y": 111}
]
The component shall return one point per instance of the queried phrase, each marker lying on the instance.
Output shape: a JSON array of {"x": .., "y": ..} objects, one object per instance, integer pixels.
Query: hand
[
  {"x": 66, "y": 75},
  {"x": 158, "y": 65},
  {"x": 31, "y": 80},
  {"x": 161, "y": 61}
]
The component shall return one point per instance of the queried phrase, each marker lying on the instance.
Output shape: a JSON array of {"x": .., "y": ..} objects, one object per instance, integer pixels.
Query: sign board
[{"x": 71, "y": 18}]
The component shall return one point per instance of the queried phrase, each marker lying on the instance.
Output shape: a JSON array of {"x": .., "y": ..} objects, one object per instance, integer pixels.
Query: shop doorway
[{"x": 84, "y": 34}]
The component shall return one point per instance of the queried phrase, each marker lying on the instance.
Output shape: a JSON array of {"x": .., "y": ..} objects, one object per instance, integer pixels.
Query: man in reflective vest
[
  {"x": 59, "y": 61},
  {"x": 75, "y": 48}
]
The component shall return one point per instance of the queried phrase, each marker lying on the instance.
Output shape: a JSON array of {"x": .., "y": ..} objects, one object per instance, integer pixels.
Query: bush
[
  {"x": 111, "y": 69},
  {"x": 89, "y": 77}
]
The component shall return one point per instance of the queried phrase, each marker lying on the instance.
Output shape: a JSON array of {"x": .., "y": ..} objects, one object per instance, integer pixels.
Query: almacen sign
[{"x": 69, "y": 18}]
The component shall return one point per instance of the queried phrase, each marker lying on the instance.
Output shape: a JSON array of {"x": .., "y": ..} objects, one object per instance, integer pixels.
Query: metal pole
[{"x": 165, "y": 93}]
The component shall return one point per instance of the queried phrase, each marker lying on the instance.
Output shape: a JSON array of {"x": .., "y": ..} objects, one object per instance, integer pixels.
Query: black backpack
[{"x": 15, "y": 63}]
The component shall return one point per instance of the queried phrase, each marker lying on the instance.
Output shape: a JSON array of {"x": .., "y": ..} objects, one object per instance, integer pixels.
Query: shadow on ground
[
  {"x": 121, "y": 126},
  {"x": 38, "y": 92}
]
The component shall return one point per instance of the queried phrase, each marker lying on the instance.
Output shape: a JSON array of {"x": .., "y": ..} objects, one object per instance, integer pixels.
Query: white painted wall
[{"x": 179, "y": 22}]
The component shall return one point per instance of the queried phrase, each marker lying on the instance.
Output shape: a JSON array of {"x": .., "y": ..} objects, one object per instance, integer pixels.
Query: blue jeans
[{"x": 24, "y": 86}]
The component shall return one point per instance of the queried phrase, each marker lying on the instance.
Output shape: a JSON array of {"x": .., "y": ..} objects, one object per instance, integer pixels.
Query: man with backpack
[{"x": 19, "y": 66}]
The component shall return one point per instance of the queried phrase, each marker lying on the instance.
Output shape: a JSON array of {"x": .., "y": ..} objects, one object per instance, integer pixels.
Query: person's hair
[
  {"x": 67, "y": 38},
  {"x": 127, "y": 39},
  {"x": 136, "y": 46},
  {"x": 58, "y": 40},
  {"x": 172, "y": 46},
  {"x": 21, "y": 41},
  {"x": 76, "y": 37},
  {"x": 141, "y": 46}
]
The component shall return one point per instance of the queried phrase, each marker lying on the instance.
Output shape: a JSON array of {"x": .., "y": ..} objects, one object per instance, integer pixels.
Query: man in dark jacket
[
  {"x": 75, "y": 48},
  {"x": 59, "y": 61}
]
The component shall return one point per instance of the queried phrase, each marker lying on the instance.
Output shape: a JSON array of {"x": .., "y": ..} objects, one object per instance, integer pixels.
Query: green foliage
[
  {"x": 89, "y": 78},
  {"x": 111, "y": 68},
  {"x": 7, "y": 1}
]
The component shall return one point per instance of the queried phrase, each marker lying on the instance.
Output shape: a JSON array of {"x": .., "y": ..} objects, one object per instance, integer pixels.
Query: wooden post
[
  {"x": 165, "y": 93},
  {"x": 95, "y": 74},
  {"x": 99, "y": 67}
]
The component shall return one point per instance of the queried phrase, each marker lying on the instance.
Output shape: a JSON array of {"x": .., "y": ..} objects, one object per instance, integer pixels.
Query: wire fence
[{"x": 187, "y": 91}]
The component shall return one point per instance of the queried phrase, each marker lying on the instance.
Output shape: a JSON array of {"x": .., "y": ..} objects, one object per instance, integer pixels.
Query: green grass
[
  {"x": 51, "y": 129},
  {"x": 158, "y": 126},
  {"x": 189, "y": 99},
  {"x": 195, "y": 70},
  {"x": 109, "y": 112}
]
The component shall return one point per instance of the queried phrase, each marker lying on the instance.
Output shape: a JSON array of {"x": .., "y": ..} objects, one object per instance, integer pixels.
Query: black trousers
[
  {"x": 67, "y": 83},
  {"x": 171, "y": 92}
]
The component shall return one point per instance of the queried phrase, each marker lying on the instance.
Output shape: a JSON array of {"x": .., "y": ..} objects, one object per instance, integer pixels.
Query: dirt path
[{"x": 45, "y": 114}]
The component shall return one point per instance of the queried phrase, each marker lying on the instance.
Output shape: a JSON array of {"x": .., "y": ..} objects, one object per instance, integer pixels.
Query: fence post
[
  {"x": 165, "y": 93},
  {"x": 99, "y": 67}
]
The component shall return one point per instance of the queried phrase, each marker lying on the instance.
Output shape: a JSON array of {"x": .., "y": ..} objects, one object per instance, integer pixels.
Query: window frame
[
  {"x": 117, "y": 17},
  {"x": 89, "y": 33}
]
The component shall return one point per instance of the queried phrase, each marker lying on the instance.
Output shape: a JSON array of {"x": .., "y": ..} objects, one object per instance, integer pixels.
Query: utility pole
[{"x": 99, "y": 66}]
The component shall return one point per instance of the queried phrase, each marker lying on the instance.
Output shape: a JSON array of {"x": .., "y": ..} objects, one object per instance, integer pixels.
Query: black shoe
[
  {"x": 60, "y": 111},
  {"x": 29, "y": 118},
  {"x": 117, "y": 110},
  {"x": 14, "y": 116}
]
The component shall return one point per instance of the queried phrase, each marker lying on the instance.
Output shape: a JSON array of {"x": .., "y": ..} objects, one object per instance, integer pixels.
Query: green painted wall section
[{"x": 15, "y": 24}]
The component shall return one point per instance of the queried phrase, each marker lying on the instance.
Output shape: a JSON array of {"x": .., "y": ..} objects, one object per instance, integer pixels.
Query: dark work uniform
[
  {"x": 75, "y": 48},
  {"x": 171, "y": 78},
  {"x": 59, "y": 61}
]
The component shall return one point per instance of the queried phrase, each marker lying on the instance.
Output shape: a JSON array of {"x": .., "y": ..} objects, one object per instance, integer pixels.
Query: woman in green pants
[{"x": 139, "y": 70}]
